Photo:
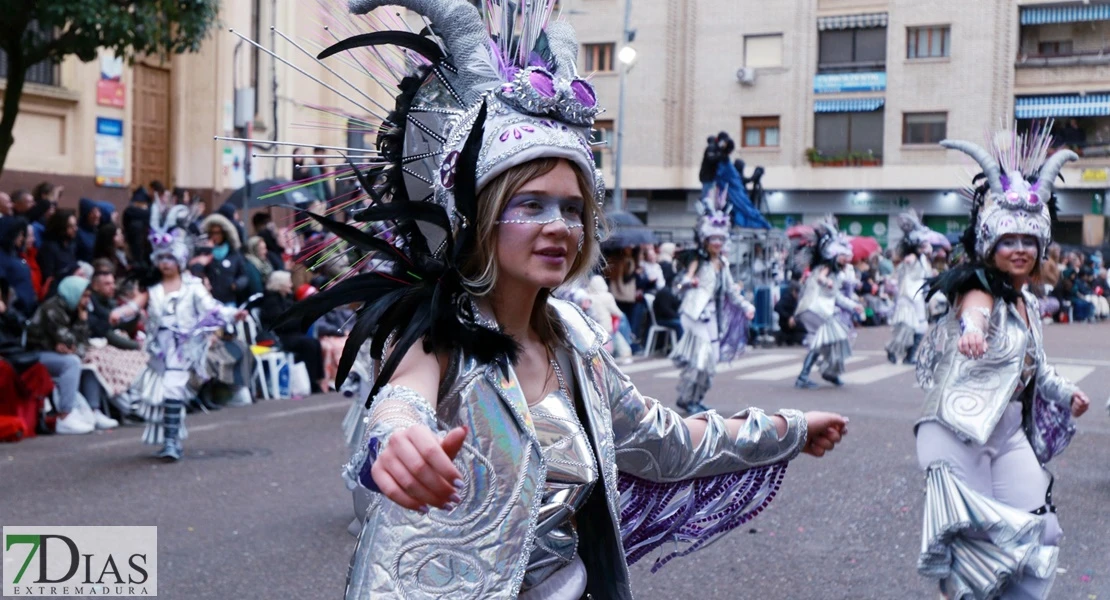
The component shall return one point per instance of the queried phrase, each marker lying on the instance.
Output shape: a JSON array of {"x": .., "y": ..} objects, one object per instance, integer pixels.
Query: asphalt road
[{"x": 258, "y": 511}]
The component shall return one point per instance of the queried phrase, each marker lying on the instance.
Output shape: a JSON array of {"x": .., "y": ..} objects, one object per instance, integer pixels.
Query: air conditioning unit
[{"x": 745, "y": 75}]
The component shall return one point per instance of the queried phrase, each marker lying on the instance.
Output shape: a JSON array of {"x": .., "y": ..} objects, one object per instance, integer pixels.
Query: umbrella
[
  {"x": 626, "y": 230},
  {"x": 938, "y": 240},
  {"x": 274, "y": 192},
  {"x": 799, "y": 232},
  {"x": 864, "y": 248}
]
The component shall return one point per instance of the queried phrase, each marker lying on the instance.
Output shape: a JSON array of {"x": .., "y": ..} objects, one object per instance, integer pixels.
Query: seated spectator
[
  {"x": 14, "y": 270},
  {"x": 58, "y": 254},
  {"x": 666, "y": 309},
  {"x": 306, "y": 349},
  {"x": 604, "y": 310},
  {"x": 224, "y": 265},
  {"x": 89, "y": 218},
  {"x": 265, "y": 230},
  {"x": 790, "y": 331},
  {"x": 332, "y": 330},
  {"x": 59, "y": 331},
  {"x": 111, "y": 245},
  {"x": 117, "y": 358},
  {"x": 260, "y": 268}
]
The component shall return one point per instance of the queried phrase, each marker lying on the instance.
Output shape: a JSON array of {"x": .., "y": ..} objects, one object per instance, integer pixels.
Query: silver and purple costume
[
  {"x": 910, "y": 319},
  {"x": 987, "y": 428},
  {"x": 526, "y": 472},
  {"x": 714, "y": 328},
  {"x": 826, "y": 338}
]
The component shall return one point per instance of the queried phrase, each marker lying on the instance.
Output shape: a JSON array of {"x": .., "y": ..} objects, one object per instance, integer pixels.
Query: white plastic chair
[
  {"x": 268, "y": 365},
  {"x": 657, "y": 329}
]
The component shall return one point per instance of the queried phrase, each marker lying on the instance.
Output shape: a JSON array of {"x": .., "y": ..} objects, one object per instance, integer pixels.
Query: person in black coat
[
  {"x": 790, "y": 331},
  {"x": 58, "y": 255},
  {"x": 666, "y": 308},
  {"x": 136, "y": 227},
  {"x": 306, "y": 349},
  {"x": 264, "y": 228},
  {"x": 224, "y": 266}
]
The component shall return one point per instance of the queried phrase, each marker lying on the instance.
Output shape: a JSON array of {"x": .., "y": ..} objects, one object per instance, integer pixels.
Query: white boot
[
  {"x": 73, "y": 424},
  {"x": 103, "y": 421}
]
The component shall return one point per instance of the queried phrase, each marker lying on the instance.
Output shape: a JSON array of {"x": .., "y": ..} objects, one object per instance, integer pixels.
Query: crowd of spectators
[{"x": 73, "y": 297}]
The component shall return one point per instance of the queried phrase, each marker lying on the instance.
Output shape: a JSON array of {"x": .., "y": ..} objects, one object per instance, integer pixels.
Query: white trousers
[{"x": 1004, "y": 469}]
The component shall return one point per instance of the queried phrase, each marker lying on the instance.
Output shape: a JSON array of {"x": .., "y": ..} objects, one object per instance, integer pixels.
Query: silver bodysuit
[{"x": 571, "y": 473}]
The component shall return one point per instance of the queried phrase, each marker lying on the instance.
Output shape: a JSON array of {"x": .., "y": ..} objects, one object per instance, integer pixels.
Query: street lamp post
[{"x": 625, "y": 57}]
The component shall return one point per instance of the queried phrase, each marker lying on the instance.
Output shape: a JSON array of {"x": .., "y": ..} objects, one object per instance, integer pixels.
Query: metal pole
[{"x": 618, "y": 189}]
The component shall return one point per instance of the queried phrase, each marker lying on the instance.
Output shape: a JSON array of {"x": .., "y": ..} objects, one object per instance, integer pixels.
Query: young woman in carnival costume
[
  {"x": 995, "y": 411},
  {"x": 500, "y": 433},
  {"x": 714, "y": 313},
  {"x": 825, "y": 253},
  {"x": 911, "y": 319},
  {"x": 181, "y": 316}
]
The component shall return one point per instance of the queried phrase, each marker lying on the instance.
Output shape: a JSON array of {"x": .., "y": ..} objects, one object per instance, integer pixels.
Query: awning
[
  {"x": 1040, "y": 107},
  {"x": 852, "y": 21},
  {"x": 848, "y": 105},
  {"x": 1044, "y": 15}
]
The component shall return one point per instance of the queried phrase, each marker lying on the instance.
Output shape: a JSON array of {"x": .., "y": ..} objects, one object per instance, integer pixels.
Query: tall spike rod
[
  {"x": 985, "y": 160},
  {"x": 305, "y": 73},
  {"x": 329, "y": 69}
]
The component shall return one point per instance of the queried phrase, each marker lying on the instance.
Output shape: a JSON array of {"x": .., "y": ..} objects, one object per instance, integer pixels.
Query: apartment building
[
  {"x": 102, "y": 128},
  {"x": 843, "y": 101}
]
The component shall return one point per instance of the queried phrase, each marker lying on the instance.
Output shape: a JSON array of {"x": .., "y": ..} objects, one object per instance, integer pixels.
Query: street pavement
[{"x": 257, "y": 510}]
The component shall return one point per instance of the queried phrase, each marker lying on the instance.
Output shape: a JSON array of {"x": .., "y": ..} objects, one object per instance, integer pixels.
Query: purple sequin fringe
[
  {"x": 694, "y": 512},
  {"x": 734, "y": 324},
  {"x": 1053, "y": 425}
]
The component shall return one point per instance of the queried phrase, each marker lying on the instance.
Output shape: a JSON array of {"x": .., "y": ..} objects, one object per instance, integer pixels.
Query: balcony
[{"x": 1052, "y": 74}]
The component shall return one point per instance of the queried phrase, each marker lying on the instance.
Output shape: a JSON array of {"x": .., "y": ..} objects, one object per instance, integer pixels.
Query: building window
[
  {"x": 1057, "y": 48},
  {"x": 599, "y": 57},
  {"x": 601, "y": 140},
  {"x": 928, "y": 42},
  {"x": 924, "y": 128},
  {"x": 43, "y": 73},
  {"x": 844, "y": 134},
  {"x": 760, "y": 132},
  {"x": 763, "y": 51},
  {"x": 852, "y": 50}
]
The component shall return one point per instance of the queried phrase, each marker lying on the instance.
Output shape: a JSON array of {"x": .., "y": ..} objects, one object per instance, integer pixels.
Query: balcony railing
[{"x": 1073, "y": 59}]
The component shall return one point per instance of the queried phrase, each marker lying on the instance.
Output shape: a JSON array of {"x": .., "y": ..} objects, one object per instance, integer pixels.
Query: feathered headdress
[
  {"x": 714, "y": 215},
  {"x": 482, "y": 91},
  {"x": 1019, "y": 196},
  {"x": 821, "y": 245},
  {"x": 914, "y": 232},
  {"x": 167, "y": 234}
]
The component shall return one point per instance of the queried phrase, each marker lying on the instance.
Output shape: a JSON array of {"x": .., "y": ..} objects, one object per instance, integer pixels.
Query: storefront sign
[
  {"x": 109, "y": 153},
  {"x": 1095, "y": 175},
  {"x": 832, "y": 83}
]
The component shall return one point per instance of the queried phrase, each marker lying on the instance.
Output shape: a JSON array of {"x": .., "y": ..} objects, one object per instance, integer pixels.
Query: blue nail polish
[
  {"x": 422, "y": 510},
  {"x": 455, "y": 499},
  {"x": 450, "y": 506},
  {"x": 459, "y": 483}
]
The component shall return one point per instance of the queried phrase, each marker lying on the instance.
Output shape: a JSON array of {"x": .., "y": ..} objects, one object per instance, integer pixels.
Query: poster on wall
[
  {"x": 109, "y": 89},
  {"x": 109, "y": 153}
]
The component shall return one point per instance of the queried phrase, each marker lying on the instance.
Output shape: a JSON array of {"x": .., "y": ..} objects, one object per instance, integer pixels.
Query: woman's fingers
[
  {"x": 417, "y": 476},
  {"x": 390, "y": 488}
]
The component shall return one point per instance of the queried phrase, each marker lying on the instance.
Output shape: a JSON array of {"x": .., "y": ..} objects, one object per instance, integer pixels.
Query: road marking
[
  {"x": 647, "y": 365},
  {"x": 787, "y": 372},
  {"x": 220, "y": 424},
  {"x": 875, "y": 373},
  {"x": 1074, "y": 373},
  {"x": 743, "y": 363}
]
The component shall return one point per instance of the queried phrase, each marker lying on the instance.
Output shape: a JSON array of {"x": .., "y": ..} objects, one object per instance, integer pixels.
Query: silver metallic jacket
[
  {"x": 481, "y": 548},
  {"x": 821, "y": 295},
  {"x": 969, "y": 396},
  {"x": 697, "y": 300}
]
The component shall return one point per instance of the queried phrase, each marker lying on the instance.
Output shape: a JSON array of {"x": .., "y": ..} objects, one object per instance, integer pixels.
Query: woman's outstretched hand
[
  {"x": 416, "y": 470},
  {"x": 825, "y": 430}
]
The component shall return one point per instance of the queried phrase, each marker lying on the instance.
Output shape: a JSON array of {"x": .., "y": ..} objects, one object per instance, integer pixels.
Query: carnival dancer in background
[
  {"x": 825, "y": 253},
  {"x": 714, "y": 314},
  {"x": 995, "y": 411},
  {"x": 182, "y": 316},
  {"x": 911, "y": 318},
  {"x": 509, "y": 455}
]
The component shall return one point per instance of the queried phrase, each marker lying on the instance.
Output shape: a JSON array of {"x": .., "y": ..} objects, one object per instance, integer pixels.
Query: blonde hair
[{"x": 480, "y": 271}]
